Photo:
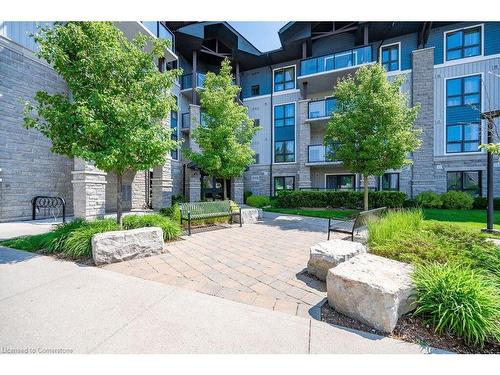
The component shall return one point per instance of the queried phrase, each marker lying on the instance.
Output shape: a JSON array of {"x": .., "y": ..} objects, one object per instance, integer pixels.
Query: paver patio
[{"x": 261, "y": 264}]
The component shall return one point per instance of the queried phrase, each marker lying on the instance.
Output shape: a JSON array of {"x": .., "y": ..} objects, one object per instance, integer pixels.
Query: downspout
[{"x": 272, "y": 130}]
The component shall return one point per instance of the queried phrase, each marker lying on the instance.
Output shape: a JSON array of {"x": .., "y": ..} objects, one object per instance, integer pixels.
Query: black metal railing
[
  {"x": 354, "y": 188},
  {"x": 338, "y": 60},
  {"x": 48, "y": 205}
]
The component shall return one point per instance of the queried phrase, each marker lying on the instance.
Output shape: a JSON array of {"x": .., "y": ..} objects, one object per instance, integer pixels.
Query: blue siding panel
[
  {"x": 491, "y": 38},
  {"x": 261, "y": 77}
]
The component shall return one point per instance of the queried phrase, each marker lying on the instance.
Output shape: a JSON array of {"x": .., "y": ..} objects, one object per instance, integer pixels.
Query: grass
[
  {"x": 322, "y": 213},
  {"x": 470, "y": 219}
]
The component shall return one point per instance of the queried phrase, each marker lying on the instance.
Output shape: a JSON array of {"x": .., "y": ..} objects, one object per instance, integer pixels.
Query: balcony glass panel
[
  {"x": 321, "y": 108},
  {"x": 187, "y": 80},
  {"x": 185, "y": 120},
  {"x": 339, "y": 60},
  {"x": 319, "y": 154}
]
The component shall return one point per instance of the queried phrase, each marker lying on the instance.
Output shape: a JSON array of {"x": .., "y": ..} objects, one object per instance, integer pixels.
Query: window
[
  {"x": 284, "y": 183},
  {"x": 284, "y": 79},
  {"x": 390, "y": 57},
  {"x": 256, "y": 159},
  {"x": 463, "y": 43},
  {"x": 284, "y": 133},
  {"x": 255, "y": 90},
  {"x": 256, "y": 123},
  {"x": 469, "y": 181},
  {"x": 174, "y": 128},
  {"x": 389, "y": 181},
  {"x": 463, "y": 108},
  {"x": 340, "y": 182}
]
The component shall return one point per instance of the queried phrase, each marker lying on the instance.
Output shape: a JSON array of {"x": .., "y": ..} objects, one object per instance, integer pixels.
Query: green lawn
[
  {"x": 323, "y": 213},
  {"x": 472, "y": 219}
]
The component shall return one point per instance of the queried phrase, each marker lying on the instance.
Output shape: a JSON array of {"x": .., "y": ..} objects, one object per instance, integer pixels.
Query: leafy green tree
[
  {"x": 119, "y": 99},
  {"x": 226, "y": 134},
  {"x": 371, "y": 129}
]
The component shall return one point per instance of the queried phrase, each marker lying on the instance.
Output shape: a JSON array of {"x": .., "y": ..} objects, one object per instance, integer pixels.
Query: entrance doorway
[{"x": 212, "y": 188}]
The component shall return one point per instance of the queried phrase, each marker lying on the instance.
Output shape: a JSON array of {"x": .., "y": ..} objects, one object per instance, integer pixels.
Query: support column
[
  {"x": 423, "y": 176},
  {"x": 89, "y": 190},
  {"x": 194, "y": 77},
  {"x": 161, "y": 185},
  {"x": 304, "y": 142},
  {"x": 195, "y": 119},
  {"x": 237, "y": 188}
]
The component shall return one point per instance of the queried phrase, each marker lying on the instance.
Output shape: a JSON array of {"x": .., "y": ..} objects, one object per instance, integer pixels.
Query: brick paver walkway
[{"x": 259, "y": 264}]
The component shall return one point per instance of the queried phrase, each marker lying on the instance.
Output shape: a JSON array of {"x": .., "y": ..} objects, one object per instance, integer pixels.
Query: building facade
[{"x": 451, "y": 68}]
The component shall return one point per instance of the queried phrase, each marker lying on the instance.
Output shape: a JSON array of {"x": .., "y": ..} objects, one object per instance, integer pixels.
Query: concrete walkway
[{"x": 47, "y": 304}]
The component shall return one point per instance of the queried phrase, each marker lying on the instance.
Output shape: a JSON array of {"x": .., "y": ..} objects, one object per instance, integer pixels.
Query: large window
[
  {"x": 284, "y": 183},
  {"x": 469, "y": 181},
  {"x": 463, "y": 43},
  {"x": 284, "y": 133},
  {"x": 389, "y": 182},
  {"x": 174, "y": 120},
  {"x": 340, "y": 181},
  {"x": 463, "y": 109},
  {"x": 284, "y": 79},
  {"x": 390, "y": 57}
]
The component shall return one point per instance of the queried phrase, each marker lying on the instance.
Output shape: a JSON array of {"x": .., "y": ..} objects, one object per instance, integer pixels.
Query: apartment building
[{"x": 451, "y": 68}]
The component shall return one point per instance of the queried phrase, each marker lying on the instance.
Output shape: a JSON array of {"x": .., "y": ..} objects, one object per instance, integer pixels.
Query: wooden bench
[
  {"x": 207, "y": 210},
  {"x": 354, "y": 224}
]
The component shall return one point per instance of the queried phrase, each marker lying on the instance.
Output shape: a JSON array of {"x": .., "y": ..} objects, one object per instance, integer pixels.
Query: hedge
[
  {"x": 481, "y": 203},
  {"x": 337, "y": 199}
]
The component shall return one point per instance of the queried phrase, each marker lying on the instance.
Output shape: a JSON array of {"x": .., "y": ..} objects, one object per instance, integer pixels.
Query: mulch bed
[{"x": 411, "y": 329}]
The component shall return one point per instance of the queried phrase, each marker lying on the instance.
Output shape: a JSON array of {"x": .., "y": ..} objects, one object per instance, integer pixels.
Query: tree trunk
[
  {"x": 119, "y": 178},
  {"x": 224, "y": 189},
  {"x": 365, "y": 197}
]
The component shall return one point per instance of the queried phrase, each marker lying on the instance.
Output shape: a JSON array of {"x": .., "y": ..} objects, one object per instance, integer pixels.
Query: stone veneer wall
[
  {"x": 28, "y": 167},
  {"x": 137, "y": 183}
]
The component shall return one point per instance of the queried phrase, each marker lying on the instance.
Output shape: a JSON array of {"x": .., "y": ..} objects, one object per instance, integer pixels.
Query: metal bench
[
  {"x": 207, "y": 210},
  {"x": 354, "y": 224},
  {"x": 49, "y": 204}
]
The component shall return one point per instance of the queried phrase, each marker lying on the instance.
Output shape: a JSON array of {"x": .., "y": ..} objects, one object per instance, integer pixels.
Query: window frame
[
  {"x": 462, "y": 125},
  {"x": 380, "y": 181},
  {"x": 398, "y": 45},
  {"x": 252, "y": 90},
  {"x": 174, "y": 154},
  {"x": 287, "y": 140},
  {"x": 462, "y": 47},
  {"x": 354, "y": 180},
  {"x": 479, "y": 191},
  {"x": 284, "y": 80},
  {"x": 284, "y": 184}
]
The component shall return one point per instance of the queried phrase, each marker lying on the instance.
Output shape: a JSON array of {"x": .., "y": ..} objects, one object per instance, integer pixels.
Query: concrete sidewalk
[{"x": 49, "y": 304}]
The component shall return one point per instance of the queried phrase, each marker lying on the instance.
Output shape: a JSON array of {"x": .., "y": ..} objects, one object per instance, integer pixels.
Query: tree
[
  {"x": 371, "y": 130},
  {"x": 119, "y": 99},
  {"x": 226, "y": 134}
]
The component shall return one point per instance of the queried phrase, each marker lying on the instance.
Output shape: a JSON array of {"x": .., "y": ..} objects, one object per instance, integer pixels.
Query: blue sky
[{"x": 263, "y": 35}]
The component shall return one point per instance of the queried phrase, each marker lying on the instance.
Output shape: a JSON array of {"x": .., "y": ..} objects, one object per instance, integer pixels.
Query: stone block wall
[{"x": 28, "y": 167}]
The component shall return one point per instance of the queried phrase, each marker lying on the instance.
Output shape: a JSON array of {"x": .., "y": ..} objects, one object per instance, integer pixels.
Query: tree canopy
[{"x": 371, "y": 129}]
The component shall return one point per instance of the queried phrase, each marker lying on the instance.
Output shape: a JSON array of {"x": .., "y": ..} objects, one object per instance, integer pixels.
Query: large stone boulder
[
  {"x": 111, "y": 247},
  {"x": 328, "y": 254},
  {"x": 372, "y": 289},
  {"x": 249, "y": 215}
]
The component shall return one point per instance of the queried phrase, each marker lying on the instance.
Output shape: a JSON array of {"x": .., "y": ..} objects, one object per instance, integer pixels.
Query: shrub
[
  {"x": 176, "y": 199},
  {"x": 338, "y": 199},
  {"x": 481, "y": 203},
  {"x": 61, "y": 234},
  {"x": 171, "y": 229},
  {"x": 458, "y": 299},
  {"x": 258, "y": 201},
  {"x": 173, "y": 212},
  {"x": 79, "y": 241},
  {"x": 457, "y": 200},
  {"x": 33, "y": 243},
  {"x": 410, "y": 203},
  {"x": 429, "y": 199},
  {"x": 246, "y": 194}
]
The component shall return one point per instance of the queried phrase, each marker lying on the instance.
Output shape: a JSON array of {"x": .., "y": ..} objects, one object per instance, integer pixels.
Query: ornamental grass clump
[
  {"x": 171, "y": 229},
  {"x": 78, "y": 243},
  {"x": 460, "y": 300}
]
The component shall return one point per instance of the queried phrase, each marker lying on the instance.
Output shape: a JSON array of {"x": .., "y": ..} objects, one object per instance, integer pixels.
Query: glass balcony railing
[
  {"x": 321, "y": 108},
  {"x": 339, "y": 60},
  {"x": 187, "y": 80},
  {"x": 160, "y": 31},
  {"x": 319, "y": 154},
  {"x": 185, "y": 120}
]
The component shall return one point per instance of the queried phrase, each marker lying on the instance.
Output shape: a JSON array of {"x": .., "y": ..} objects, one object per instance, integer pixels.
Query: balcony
[
  {"x": 317, "y": 154},
  {"x": 187, "y": 81},
  {"x": 318, "y": 110},
  {"x": 154, "y": 28},
  {"x": 321, "y": 73}
]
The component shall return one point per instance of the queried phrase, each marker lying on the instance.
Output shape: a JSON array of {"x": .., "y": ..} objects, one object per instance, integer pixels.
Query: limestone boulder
[
  {"x": 249, "y": 215},
  {"x": 328, "y": 254},
  {"x": 111, "y": 247},
  {"x": 372, "y": 289}
]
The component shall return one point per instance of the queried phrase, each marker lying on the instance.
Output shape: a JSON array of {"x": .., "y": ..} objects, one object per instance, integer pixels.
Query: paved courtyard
[{"x": 259, "y": 264}]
